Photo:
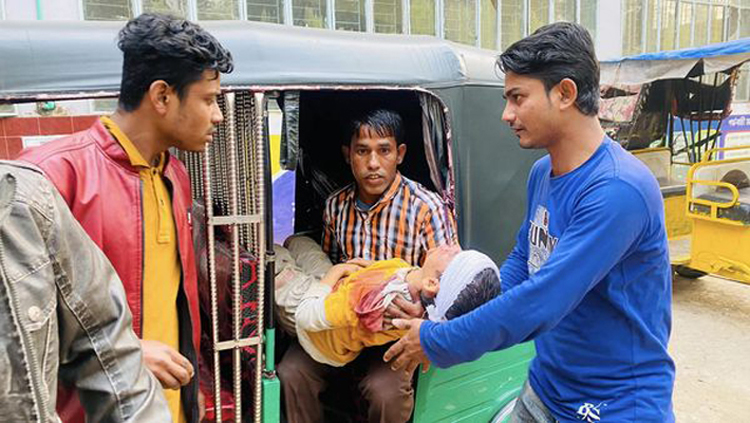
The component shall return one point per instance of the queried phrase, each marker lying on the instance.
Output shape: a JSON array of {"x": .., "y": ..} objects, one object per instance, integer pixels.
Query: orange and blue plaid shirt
[{"x": 405, "y": 223}]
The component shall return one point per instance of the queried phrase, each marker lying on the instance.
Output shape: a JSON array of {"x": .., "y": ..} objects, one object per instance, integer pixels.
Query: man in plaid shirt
[{"x": 381, "y": 215}]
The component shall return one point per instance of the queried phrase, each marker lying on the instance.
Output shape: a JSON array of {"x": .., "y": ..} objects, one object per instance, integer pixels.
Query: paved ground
[{"x": 711, "y": 347}]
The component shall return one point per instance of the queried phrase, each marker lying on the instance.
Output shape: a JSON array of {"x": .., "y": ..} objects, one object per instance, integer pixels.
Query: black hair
[
  {"x": 555, "y": 52},
  {"x": 484, "y": 287},
  {"x": 159, "y": 47},
  {"x": 384, "y": 123}
]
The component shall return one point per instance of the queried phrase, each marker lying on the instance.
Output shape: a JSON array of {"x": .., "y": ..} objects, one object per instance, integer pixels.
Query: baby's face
[{"x": 438, "y": 260}]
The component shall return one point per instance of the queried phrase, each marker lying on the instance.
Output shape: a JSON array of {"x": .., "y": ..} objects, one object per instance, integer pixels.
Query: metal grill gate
[{"x": 229, "y": 177}]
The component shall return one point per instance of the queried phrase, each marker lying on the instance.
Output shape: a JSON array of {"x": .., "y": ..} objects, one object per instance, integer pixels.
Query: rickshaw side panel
[{"x": 473, "y": 392}]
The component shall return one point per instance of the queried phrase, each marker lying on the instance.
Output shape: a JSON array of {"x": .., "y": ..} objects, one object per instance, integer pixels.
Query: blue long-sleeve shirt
[{"x": 590, "y": 281}]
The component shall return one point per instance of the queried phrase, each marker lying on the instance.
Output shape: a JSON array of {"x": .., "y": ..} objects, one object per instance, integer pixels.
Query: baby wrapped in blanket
[{"x": 336, "y": 311}]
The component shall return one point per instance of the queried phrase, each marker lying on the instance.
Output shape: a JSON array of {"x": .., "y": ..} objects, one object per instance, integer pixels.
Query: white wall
[
  {"x": 609, "y": 29},
  {"x": 53, "y": 10}
]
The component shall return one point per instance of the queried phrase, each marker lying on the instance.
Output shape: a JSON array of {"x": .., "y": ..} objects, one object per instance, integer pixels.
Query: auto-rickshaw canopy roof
[
  {"x": 674, "y": 64},
  {"x": 75, "y": 57}
]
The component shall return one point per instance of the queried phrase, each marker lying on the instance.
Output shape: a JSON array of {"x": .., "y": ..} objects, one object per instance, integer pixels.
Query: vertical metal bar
[
  {"x": 550, "y": 11},
  {"x": 288, "y": 12},
  {"x": 678, "y": 15},
  {"x": 212, "y": 278},
  {"x": 137, "y": 7},
  {"x": 694, "y": 13},
  {"x": 526, "y": 18},
  {"x": 406, "y": 16},
  {"x": 440, "y": 18},
  {"x": 658, "y": 23},
  {"x": 578, "y": 12},
  {"x": 233, "y": 211},
  {"x": 259, "y": 119},
  {"x": 498, "y": 26},
  {"x": 331, "y": 14},
  {"x": 698, "y": 114},
  {"x": 644, "y": 26},
  {"x": 725, "y": 20},
  {"x": 711, "y": 111},
  {"x": 192, "y": 10},
  {"x": 478, "y": 22},
  {"x": 710, "y": 24},
  {"x": 369, "y": 16},
  {"x": 242, "y": 12}
]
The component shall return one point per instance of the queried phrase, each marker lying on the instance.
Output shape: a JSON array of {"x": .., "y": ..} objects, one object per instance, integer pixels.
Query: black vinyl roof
[{"x": 82, "y": 57}]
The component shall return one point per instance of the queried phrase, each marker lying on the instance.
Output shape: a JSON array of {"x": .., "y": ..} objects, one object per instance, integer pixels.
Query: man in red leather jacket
[{"x": 133, "y": 198}]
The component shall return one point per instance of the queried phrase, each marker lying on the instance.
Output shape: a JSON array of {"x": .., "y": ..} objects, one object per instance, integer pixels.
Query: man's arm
[
  {"x": 515, "y": 269},
  {"x": 99, "y": 352},
  {"x": 606, "y": 224}
]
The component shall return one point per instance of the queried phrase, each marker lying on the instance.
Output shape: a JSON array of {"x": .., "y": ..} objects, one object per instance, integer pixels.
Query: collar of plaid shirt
[{"x": 384, "y": 199}]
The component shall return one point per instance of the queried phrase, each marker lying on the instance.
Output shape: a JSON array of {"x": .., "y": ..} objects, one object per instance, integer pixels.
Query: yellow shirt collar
[{"x": 136, "y": 159}]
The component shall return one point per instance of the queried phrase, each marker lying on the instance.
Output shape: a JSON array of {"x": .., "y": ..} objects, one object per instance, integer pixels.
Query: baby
[{"x": 336, "y": 311}]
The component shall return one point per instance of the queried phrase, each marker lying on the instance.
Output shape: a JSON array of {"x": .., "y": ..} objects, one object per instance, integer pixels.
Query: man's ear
[
  {"x": 401, "y": 153},
  {"x": 160, "y": 93},
  {"x": 345, "y": 152},
  {"x": 568, "y": 91}
]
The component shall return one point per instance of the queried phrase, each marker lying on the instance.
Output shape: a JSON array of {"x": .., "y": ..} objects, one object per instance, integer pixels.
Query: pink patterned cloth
[{"x": 371, "y": 308}]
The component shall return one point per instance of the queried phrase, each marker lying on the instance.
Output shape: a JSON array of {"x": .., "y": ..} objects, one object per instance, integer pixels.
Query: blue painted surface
[{"x": 283, "y": 206}]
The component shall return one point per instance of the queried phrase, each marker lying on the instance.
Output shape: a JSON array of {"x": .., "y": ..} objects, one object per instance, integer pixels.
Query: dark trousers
[{"x": 389, "y": 395}]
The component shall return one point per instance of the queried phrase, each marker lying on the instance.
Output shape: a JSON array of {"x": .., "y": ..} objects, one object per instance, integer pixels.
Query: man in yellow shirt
[{"x": 161, "y": 273}]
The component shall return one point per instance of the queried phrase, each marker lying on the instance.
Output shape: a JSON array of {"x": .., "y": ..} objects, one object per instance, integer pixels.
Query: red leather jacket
[{"x": 103, "y": 190}]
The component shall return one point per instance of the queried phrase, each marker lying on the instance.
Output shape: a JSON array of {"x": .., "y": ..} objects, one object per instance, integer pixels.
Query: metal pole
[
  {"x": 550, "y": 11},
  {"x": 258, "y": 119},
  {"x": 406, "y": 16},
  {"x": 369, "y": 16},
  {"x": 478, "y": 23},
  {"x": 498, "y": 26},
  {"x": 288, "y": 12},
  {"x": 526, "y": 18},
  {"x": 678, "y": 15},
  {"x": 236, "y": 286},
  {"x": 658, "y": 24},
  {"x": 212, "y": 277},
  {"x": 137, "y": 7},
  {"x": 440, "y": 18},
  {"x": 330, "y": 14},
  {"x": 242, "y": 12},
  {"x": 644, "y": 27}
]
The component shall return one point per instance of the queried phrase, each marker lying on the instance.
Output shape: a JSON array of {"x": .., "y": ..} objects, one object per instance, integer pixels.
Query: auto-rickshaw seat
[
  {"x": 739, "y": 212},
  {"x": 671, "y": 187},
  {"x": 738, "y": 178}
]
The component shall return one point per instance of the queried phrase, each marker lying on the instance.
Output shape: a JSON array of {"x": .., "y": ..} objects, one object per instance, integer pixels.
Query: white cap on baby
[{"x": 460, "y": 272}]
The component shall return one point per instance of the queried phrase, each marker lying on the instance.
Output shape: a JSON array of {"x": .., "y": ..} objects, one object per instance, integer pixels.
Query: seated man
[
  {"x": 340, "y": 315},
  {"x": 382, "y": 215}
]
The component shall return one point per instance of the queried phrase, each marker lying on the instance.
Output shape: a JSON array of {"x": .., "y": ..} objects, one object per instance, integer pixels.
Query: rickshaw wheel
[{"x": 689, "y": 273}]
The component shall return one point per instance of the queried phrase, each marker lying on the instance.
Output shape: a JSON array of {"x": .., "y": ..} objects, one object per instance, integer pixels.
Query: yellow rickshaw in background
[{"x": 670, "y": 109}]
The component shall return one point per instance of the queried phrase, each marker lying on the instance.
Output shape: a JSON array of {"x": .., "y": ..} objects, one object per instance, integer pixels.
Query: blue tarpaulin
[{"x": 674, "y": 64}]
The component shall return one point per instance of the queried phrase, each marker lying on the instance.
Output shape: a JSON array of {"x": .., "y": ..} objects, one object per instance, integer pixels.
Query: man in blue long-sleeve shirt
[{"x": 589, "y": 278}]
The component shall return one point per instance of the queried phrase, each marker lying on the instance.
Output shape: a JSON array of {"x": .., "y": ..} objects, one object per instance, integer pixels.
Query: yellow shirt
[
  {"x": 161, "y": 267},
  {"x": 348, "y": 338}
]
